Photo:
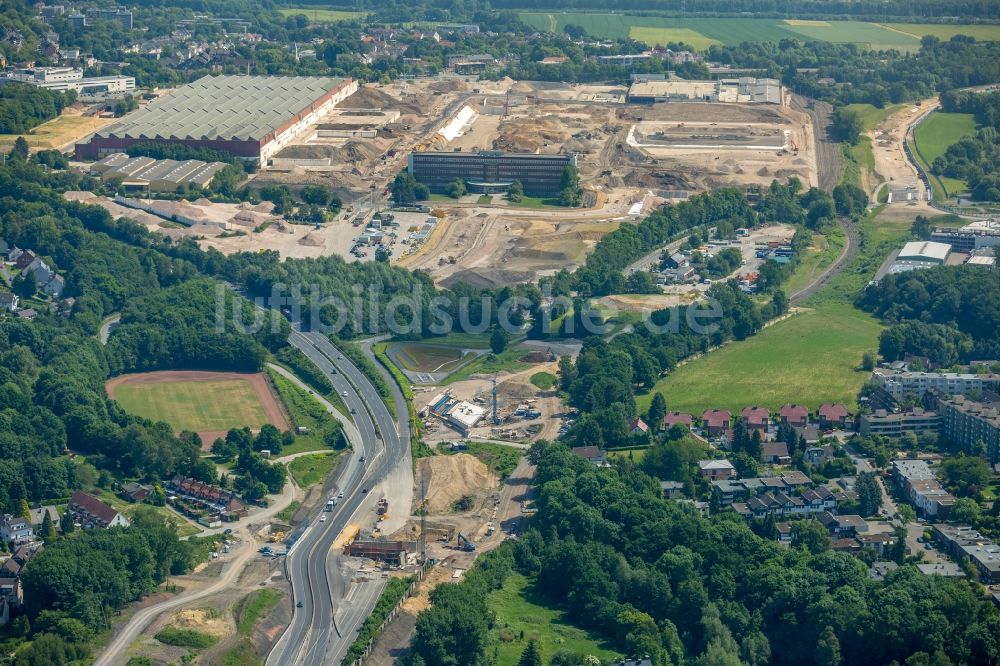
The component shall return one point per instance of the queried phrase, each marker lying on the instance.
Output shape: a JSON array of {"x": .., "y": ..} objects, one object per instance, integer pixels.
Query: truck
[
  {"x": 383, "y": 506},
  {"x": 330, "y": 503}
]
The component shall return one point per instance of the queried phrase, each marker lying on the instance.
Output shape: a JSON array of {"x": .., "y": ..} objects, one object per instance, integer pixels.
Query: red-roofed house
[
  {"x": 90, "y": 512},
  {"x": 833, "y": 415},
  {"x": 717, "y": 421},
  {"x": 676, "y": 418},
  {"x": 638, "y": 426},
  {"x": 756, "y": 418},
  {"x": 795, "y": 415}
]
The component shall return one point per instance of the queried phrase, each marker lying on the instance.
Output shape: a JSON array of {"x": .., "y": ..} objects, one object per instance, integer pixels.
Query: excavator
[{"x": 465, "y": 544}]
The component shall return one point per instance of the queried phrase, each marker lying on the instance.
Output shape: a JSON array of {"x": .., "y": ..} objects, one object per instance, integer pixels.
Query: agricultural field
[
  {"x": 522, "y": 616},
  {"x": 202, "y": 402},
  {"x": 931, "y": 139},
  {"x": 982, "y": 33},
  {"x": 320, "y": 15},
  {"x": 701, "y": 33}
]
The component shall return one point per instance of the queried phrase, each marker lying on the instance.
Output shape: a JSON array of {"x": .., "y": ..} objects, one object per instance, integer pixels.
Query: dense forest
[
  {"x": 656, "y": 578},
  {"x": 24, "y": 106},
  {"x": 974, "y": 159},
  {"x": 947, "y": 314}
]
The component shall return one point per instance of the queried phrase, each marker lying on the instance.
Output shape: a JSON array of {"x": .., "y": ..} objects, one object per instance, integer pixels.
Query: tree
[
  {"x": 499, "y": 339},
  {"x": 223, "y": 449},
  {"x": 827, "y": 651},
  {"x": 531, "y": 656},
  {"x": 569, "y": 186},
  {"x": 455, "y": 188},
  {"x": 657, "y": 410},
  {"x": 965, "y": 476},
  {"x": 25, "y": 285},
  {"x": 48, "y": 528},
  {"x": 404, "y": 189},
  {"x": 515, "y": 192},
  {"x": 906, "y": 513},
  {"x": 811, "y": 535},
  {"x": 66, "y": 525},
  {"x": 25, "y": 510},
  {"x": 847, "y": 125},
  {"x": 868, "y": 361},
  {"x": 869, "y": 494},
  {"x": 966, "y": 510},
  {"x": 316, "y": 195},
  {"x": 20, "y": 148}
]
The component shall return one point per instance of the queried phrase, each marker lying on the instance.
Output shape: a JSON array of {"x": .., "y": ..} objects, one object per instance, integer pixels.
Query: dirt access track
[{"x": 273, "y": 408}]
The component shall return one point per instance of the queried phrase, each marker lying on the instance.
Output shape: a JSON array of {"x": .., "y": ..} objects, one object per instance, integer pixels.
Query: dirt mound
[
  {"x": 451, "y": 85},
  {"x": 311, "y": 239},
  {"x": 452, "y": 477},
  {"x": 205, "y": 620},
  {"x": 373, "y": 98}
]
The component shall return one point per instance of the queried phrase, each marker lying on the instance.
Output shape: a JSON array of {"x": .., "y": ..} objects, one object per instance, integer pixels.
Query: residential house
[
  {"x": 55, "y": 286},
  {"x": 986, "y": 557},
  {"x": 845, "y": 545},
  {"x": 591, "y": 453},
  {"x": 136, "y": 492},
  {"x": 795, "y": 415},
  {"x": 672, "y": 489},
  {"x": 947, "y": 569},
  {"x": 716, "y": 421},
  {"x": 881, "y": 543},
  {"x": 38, "y": 516},
  {"x": 16, "y": 529},
  {"x": 22, "y": 258},
  {"x": 775, "y": 453},
  {"x": 222, "y": 500},
  {"x": 795, "y": 479},
  {"x": 27, "y": 314},
  {"x": 817, "y": 455},
  {"x": 846, "y": 525},
  {"x": 716, "y": 469},
  {"x": 833, "y": 415},
  {"x": 677, "y": 418},
  {"x": 90, "y": 512},
  {"x": 728, "y": 491},
  {"x": 809, "y": 433},
  {"x": 8, "y": 301},
  {"x": 881, "y": 422},
  {"x": 784, "y": 531},
  {"x": 879, "y": 570},
  {"x": 678, "y": 260},
  {"x": 638, "y": 426},
  {"x": 756, "y": 418}
]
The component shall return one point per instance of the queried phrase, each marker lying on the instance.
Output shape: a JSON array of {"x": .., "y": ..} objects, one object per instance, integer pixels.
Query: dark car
[
  {"x": 364, "y": 491},
  {"x": 298, "y": 605}
]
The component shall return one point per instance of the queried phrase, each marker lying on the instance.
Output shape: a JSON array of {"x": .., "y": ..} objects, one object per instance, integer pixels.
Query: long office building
[
  {"x": 70, "y": 78},
  {"x": 969, "y": 238},
  {"x": 249, "y": 117},
  {"x": 491, "y": 171}
]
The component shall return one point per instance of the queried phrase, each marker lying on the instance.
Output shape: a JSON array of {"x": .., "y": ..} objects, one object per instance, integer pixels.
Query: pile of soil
[
  {"x": 452, "y": 477},
  {"x": 373, "y": 98},
  {"x": 206, "y": 621},
  {"x": 312, "y": 239}
]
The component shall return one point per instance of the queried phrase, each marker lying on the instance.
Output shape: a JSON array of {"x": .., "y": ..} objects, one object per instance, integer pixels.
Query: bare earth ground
[
  {"x": 271, "y": 403},
  {"x": 891, "y": 162}
]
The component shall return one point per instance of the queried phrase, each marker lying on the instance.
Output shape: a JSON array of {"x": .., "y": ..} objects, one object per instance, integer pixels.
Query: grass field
[
  {"x": 780, "y": 364},
  {"x": 58, "y": 131},
  {"x": 931, "y": 139},
  {"x": 305, "y": 411},
  {"x": 519, "y": 609},
  {"x": 320, "y": 15},
  {"x": 185, "y": 528},
  {"x": 810, "y": 358},
  {"x": 982, "y": 33},
  {"x": 488, "y": 364},
  {"x": 871, "y": 116},
  {"x": 308, "y": 470},
  {"x": 703, "y": 32},
  {"x": 824, "y": 251},
  {"x": 195, "y": 406},
  {"x": 543, "y": 380}
]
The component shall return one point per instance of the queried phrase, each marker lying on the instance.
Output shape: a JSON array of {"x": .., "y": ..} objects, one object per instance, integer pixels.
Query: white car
[
  {"x": 344, "y": 393},
  {"x": 322, "y": 519}
]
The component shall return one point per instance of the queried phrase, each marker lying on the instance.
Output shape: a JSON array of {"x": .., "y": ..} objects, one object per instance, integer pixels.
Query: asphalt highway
[{"x": 318, "y": 633}]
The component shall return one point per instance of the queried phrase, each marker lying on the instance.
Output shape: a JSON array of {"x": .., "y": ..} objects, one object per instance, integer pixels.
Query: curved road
[
  {"x": 847, "y": 255},
  {"x": 315, "y": 634}
]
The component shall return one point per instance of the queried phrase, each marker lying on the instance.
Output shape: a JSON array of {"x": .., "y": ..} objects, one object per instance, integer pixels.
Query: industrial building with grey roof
[{"x": 250, "y": 117}]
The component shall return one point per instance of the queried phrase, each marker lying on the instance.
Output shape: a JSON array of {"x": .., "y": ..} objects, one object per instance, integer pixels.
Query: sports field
[
  {"x": 702, "y": 32},
  {"x": 208, "y": 403},
  {"x": 931, "y": 139},
  {"x": 320, "y": 15}
]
